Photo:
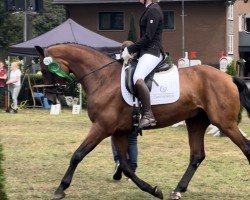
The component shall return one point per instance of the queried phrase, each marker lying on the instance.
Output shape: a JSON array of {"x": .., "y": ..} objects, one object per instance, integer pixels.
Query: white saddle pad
[{"x": 167, "y": 91}]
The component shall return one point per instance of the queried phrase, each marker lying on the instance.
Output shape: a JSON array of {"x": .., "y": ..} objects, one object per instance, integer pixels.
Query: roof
[
  {"x": 111, "y": 1},
  {"x": 244, "y": 42},
  {"x": 68, "y": 32}
]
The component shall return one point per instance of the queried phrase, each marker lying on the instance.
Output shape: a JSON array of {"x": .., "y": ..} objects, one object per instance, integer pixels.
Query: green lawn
[
  {"x": 38, "y": 146},
  {"x": 3, "y": 195}
]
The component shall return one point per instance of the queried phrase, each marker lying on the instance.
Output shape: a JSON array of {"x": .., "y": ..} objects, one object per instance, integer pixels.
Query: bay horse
[{"x": 207, "y": 96}]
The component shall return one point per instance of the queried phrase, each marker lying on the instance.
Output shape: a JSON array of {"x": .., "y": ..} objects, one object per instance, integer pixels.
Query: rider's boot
[{"x": 144, "y": 96}]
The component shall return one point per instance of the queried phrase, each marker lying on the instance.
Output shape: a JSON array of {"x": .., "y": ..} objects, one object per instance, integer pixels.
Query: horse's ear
[{"x": 39, "y": 51}]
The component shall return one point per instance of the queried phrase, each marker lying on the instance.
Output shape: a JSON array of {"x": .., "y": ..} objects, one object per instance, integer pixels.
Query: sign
[
  {"x": 224, "y": 62},
  {"x": 76, "y": 109},
  {"x": 195, "y": 62},
  {"x": 183, "y": 62},
  {"x": 55, "y": 109}
]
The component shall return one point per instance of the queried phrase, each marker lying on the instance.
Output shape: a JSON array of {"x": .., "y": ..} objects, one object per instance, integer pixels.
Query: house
[
  {"x": 241, "y": 20},
  {"x": 206, "y": 29}
]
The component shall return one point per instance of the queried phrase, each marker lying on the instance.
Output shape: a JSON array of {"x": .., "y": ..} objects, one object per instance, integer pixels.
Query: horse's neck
[{"x": 95, "y": 78}]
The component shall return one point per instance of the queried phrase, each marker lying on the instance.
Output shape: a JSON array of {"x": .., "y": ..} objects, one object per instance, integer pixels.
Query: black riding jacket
[{"x": 151, "y": 26}]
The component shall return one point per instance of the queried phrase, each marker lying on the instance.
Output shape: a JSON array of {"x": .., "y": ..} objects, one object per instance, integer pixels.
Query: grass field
[
  {"x": 3, "y": 195},
  {"x": 37, "y": 148}
]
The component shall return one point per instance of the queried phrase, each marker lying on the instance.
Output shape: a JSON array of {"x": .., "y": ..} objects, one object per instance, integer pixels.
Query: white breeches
[{"x": 146, "y": 64}]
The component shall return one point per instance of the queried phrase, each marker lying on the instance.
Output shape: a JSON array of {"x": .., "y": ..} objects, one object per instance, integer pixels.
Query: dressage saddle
[{"x": 164, "y": 65}]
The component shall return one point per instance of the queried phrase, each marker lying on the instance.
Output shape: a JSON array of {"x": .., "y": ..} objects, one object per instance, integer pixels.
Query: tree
[
  {"x": 132, "y": 32},
  {"x": 231, "y": 70},
  {"x": 51, "y": 16},
  {"x": 11, "y": 30}
]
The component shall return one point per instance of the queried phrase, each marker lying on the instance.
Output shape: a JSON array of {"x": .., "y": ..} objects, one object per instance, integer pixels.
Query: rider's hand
[{"x": 126, "y": 55}]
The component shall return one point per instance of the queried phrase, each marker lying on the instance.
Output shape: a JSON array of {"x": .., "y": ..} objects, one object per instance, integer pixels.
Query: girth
[{"x": 130, "y": 69}]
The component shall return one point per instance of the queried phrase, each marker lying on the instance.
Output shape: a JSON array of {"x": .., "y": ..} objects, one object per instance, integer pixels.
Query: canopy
[{"x": 67, "y": 32}]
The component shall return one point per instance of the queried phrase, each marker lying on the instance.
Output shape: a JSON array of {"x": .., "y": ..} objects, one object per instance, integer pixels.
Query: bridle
[{"x": 54, "y": 68}]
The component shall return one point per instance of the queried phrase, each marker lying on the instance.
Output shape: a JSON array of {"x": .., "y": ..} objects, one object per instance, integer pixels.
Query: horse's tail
[{"x": 244, "y": 93}]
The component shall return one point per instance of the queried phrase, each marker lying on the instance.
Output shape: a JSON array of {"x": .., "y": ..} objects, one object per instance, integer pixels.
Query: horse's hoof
[
  {"x": 158, "y": 193},
  {"x": 174, "y": 195},
  {"x": 58, "y": 195}
]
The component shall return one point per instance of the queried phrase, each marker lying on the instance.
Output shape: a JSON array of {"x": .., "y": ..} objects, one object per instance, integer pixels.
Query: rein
[{"x": 85, "y": 75}]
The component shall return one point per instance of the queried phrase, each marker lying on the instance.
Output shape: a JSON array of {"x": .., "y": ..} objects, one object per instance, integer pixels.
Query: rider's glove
[{"x": 126, "y": 55}]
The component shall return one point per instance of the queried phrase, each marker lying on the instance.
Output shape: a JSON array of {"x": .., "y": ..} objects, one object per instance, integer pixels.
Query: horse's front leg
[
  {"x": 121, "y": 144},
  {"x": 94, "y": 137}
]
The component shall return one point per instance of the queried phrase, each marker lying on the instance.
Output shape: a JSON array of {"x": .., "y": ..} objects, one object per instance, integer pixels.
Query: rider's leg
[
  {"x": 145, "y": 65},
  {"x": 117, "y": 172},
  {"x": 132, "y": 156},
  {"x": 144, "y": 96},
  {"x": 132, "y": 151}
]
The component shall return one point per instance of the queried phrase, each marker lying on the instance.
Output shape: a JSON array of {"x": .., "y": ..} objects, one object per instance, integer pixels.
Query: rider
[{"x": 150, "y": 52}]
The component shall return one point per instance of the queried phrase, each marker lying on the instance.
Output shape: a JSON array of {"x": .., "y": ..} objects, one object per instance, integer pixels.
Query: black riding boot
[{"x": 144, "y": 96}]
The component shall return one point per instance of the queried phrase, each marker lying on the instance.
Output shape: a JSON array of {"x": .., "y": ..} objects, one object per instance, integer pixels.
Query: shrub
[
  {"x": 231, "y": 70},
  {"x": 132, "y": 31}
]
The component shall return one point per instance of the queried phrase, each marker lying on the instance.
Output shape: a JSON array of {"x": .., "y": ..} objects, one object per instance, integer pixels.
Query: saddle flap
[
  {"x": 164, "y": 65},
  {"x": 167, "y": 89},
  {"x": 129, "y": 73}
]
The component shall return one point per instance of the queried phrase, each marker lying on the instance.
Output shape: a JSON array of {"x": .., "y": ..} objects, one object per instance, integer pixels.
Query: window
[
  {"x": 111, "y": 21},
  {"x": 244, "y": 22},
  {"x": 168, "y": 20},
  {"x": 231, "y": 12},
  {"x": 247, "y": 25},
  {"x": 230, "y": 44}
]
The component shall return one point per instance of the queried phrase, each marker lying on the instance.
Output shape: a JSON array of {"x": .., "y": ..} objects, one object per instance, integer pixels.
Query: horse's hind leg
[
  {"x": 232, "y": 131},
  {"x": 196, "y": 130},
  {"x": 121, "y": 144},
  {"x": 90, "y": 142}
]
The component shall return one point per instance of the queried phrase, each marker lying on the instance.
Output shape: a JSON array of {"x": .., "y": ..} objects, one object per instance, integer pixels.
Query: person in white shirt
[{"x": 14, "y": 83}]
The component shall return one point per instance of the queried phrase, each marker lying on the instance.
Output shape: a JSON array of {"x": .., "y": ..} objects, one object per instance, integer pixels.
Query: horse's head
[{"x": 55, "y": 74}]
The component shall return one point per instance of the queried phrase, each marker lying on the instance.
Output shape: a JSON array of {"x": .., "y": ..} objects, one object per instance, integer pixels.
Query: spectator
[
  {"x": 3, "y": 77},
  {"x": 132, "y": 155},
  {"x": 14, "y": 83},
  {"x": 240, "y": 66}
]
